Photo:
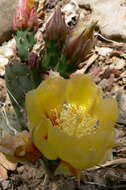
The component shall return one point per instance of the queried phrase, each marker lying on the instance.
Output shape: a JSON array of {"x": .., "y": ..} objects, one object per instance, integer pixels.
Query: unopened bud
[
  {"x": 56, "y": 28},
  {"x": 33, "y": 60},
  {"x": 26, "y": 16},
  {"x": 76, "y": 50}
]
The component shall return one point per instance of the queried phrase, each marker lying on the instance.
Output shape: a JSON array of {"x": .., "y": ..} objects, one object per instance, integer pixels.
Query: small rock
[
  {"x": 121, "y": 99},
  {"x": 8, "y": 49},
  {"x": 111, "y": 17},
  {"x": 3, "y": 63},
  {"x": 68, "y": 185},
  {"x": 5, "y": 184},
  {"x": 104, "y": 84},
  {"x": 7, "y": 10},
  {"x": 71, "y": 11},
  {"x": 124, "y": 177},
  {"x": 103, "y": 51},
  {"x": 118, "y": 63},
  {"x": 87, "y": 4},
  {"x": 3, "y": 90}
]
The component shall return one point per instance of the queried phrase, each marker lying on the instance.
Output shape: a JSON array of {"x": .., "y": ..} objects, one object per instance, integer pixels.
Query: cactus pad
[
  {"x": 19, "y": 80},
  {"x": 24, "y": 41}
]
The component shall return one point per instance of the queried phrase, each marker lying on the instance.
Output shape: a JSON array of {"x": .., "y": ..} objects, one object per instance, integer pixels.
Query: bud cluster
[
  {"x": 26, "y": 16},
  {"x": 63, "y": 53}
]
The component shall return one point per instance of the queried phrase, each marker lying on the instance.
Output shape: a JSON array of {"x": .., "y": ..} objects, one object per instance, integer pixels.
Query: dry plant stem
[
  {"x": 106, "y": 39},
  {"x": 78, "y": 180},
  {"x": 109, "y": 163},
  {"x": 48, "y": 173},
  {"x": 106, "y": 186}
]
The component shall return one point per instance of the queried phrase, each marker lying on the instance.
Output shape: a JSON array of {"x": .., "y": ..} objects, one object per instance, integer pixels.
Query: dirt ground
[{"x": 107, "y": 64}]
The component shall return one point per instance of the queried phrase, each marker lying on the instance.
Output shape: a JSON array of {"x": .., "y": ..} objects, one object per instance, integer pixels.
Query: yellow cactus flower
[{"x": 70, "y": 120}]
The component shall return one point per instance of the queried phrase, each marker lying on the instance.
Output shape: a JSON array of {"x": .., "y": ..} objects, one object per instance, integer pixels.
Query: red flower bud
[
  {"x": 56, "y": 28},
  {"x": 76, "y": 50},
  {"x": 26, "y": 16},
  {"x": 33, "y": 20},
  {"x": 33, "y": 60}
]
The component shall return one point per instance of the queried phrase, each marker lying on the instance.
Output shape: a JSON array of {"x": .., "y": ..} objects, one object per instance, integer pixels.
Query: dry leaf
[{"x": 4, "y": 166}]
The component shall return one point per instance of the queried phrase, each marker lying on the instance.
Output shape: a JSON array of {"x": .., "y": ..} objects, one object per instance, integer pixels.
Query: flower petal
[
  {"x": 99, "y": 146},
  {"x": 68, "y": 149},
  {"x": 83, "y": 152},
  {"x": 52, "y": 140},
  {"x": 40, "y": 139},
  {"x": 81, "y": 90},
  {"x": 49, "y": 95},
  {"x": 107, "y": 112},
  {"x": 33, "y": 108}
]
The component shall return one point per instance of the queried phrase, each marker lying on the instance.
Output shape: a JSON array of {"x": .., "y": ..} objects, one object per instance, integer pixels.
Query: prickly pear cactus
[
  {"x": 54, "y": 59},
  {"x": 51, "y": 55},
  {"x": 63, "y": 68},
  {"x": 24, "y": 41},
  {"x": 63, "y": 52},
  {"x": 19, "y": 80}
]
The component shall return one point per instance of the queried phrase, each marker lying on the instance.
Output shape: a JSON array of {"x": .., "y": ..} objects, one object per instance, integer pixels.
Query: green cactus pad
[
  {"x": 24, "y": 41},
  {"x": 51, "y": 55},
  {"x": 19, "y": 80},
  {"x": 53, "y": 59},
  {"x": 64, "y": 68}
]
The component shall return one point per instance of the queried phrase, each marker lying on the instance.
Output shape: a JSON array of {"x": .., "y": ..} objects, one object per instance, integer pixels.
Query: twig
[
  {"x": 109, "y": 163},
  {"x": 105, "y": 186},
  {"x": 94, "y": 183},
  {"x": 106, "y": 39}
]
